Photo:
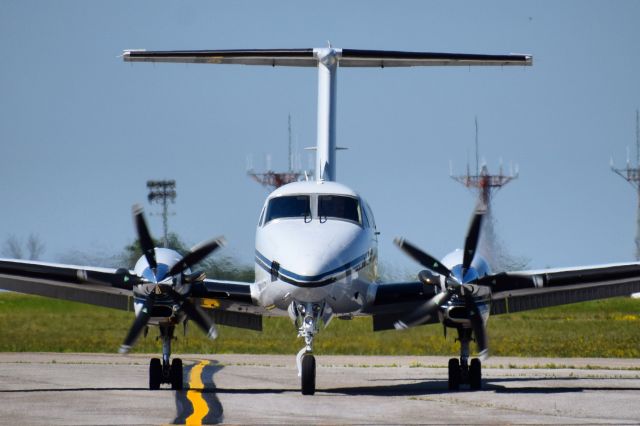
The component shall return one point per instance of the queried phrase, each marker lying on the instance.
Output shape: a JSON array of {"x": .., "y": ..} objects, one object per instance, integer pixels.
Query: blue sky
[{"x": 81, "y": 132}]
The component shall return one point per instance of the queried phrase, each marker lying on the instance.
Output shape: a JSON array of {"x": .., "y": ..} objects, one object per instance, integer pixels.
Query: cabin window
[
  {"x": 336, "y": 206},
  {"x": 288, "y": 207}
]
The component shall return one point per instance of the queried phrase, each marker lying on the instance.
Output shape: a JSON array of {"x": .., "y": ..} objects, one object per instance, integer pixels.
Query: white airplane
[{"x": 316, "y": 252}]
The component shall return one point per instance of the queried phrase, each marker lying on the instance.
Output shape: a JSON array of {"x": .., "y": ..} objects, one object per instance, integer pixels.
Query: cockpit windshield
[
  {"x": 340, "y": 207},
  {"x": 288, "y": 206}
]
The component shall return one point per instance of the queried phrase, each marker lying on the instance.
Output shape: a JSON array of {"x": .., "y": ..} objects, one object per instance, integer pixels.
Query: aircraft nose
[
  {"x": 323, "y": 259},
  {"x": 316, "y": 254}
]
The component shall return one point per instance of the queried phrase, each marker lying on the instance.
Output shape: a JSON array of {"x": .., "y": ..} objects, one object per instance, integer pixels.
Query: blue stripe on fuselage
[{"x": 314, "y": 280}]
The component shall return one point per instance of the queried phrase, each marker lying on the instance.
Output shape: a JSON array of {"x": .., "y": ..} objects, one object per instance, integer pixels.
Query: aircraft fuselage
[{"x": 315, "y": 242}]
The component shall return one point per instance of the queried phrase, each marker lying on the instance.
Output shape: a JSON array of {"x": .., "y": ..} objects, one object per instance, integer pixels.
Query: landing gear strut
[
  {"x": 461, "y": 372},
  {"x": 308, "y": 316},
  {"x": 165, "y": 371}
]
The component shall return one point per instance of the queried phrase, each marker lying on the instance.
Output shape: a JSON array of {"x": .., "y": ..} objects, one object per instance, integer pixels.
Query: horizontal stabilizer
[
  {"x": 272, "y": 57},
  {"x": 386, "y": 58},
  {"x": 309, "y": 57}
]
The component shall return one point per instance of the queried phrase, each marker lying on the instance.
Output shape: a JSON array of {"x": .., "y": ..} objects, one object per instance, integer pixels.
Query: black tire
[
  {"x": 475, "y": 374},
  {"x": 155, "y": 374},
  {"x": 454, "y": 374},
  {"x": 308, "y": 378},
  {"x": 176, "y": 374}
]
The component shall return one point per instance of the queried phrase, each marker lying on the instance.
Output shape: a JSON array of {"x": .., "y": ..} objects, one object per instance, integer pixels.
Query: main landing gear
[
  {"x": 162, "y": 371},
  {"x": 461, "y": 371},
  {"x": 309, "y": 315}
]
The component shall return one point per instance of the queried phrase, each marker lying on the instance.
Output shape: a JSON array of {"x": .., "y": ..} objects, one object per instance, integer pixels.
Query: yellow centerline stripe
[{"x": 200, "y": 407}]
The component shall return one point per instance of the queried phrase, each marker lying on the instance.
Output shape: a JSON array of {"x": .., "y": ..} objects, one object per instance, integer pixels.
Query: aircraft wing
[
  {"x": 515, "y": 291},
  {"x": 526, "y": 290},
  {"x": 308, "y": 58},
  {"x": 96, "y": 286},
  {"x": 105, "y": 287}
]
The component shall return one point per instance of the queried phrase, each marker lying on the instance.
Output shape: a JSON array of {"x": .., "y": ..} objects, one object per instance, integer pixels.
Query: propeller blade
[
  {"x": 146, "y": 242},
  {"x": 424, "y": 312},
  {"x": 421, "y": 257},
  {"x": 477, "y": 323},
  {"x": 141, "y": 321},
  {"x": 197, "y": 253},
  {"x": 195, "y": 314},
  {"x": 471, "y": 241}
]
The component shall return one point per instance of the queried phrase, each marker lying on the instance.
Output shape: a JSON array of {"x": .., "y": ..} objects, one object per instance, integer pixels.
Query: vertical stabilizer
[{"x": 326, "y": 136}]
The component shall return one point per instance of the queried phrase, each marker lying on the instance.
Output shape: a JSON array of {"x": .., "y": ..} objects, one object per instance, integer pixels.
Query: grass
[{"x": 605, "y": 328}]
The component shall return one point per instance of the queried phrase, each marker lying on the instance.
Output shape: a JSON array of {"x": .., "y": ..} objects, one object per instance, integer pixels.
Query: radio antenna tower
[
  {"x": 632, "y": 175},
  {"x": 271, "y": 179},
  {"x": 482, "y": 182},
  {"x": 163, "y": 192}
]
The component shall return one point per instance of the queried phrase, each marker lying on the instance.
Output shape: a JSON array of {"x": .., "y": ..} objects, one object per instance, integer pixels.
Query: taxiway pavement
[{"x": 106, "y": 389}]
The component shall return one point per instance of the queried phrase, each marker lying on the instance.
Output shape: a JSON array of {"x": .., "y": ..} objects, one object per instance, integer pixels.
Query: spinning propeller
[
  {"x": 163, "y": 282},
  {"x": 463, "y": 284}
]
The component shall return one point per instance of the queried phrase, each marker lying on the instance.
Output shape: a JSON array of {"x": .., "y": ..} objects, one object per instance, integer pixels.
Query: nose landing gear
[{"x": 308, "y": 316}]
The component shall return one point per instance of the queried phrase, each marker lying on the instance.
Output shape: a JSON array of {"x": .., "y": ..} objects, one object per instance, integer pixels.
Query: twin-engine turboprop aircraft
[{"x": 316, "y": 252}]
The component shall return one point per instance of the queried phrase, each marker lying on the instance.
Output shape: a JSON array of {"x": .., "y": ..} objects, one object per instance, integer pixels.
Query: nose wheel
[{"x": 308, "y": 375}]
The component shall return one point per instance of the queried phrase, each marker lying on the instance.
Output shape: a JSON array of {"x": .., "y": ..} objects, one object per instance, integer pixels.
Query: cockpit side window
[
  {"x": 288, "y": 207},
  {"x": 340, "y": 207},
  {"x": 370, "y": 217},
  {"x": 365, "y": 217}
]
